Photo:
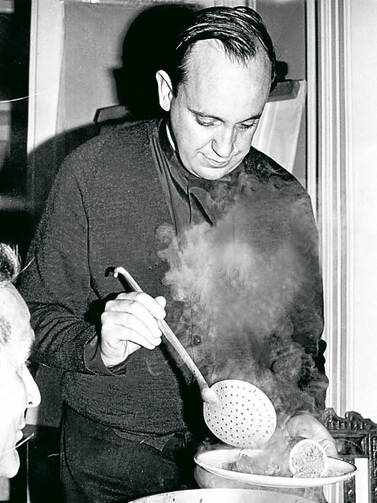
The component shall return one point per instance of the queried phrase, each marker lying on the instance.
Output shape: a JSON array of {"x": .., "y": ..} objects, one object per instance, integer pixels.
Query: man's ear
[{"x": 165, "y": 90}]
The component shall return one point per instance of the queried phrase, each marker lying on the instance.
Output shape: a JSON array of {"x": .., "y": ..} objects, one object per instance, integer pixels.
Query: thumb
[
  {"x": 329, "y": 446},
  {"x": 161, "y": 301},
  {"x": 297, "y": 426}
]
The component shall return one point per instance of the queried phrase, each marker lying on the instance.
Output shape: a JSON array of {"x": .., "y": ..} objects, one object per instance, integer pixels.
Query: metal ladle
[{"x": 237, "y": 412}]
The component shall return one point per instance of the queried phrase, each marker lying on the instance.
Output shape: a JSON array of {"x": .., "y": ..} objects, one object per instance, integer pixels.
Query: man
[
  {"x": 128, "y": 423},
  {"x": 18, "y": 391}
]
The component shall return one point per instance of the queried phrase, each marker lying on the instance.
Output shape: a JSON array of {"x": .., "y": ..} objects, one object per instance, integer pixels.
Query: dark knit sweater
[{"x": 104, "y": 208}]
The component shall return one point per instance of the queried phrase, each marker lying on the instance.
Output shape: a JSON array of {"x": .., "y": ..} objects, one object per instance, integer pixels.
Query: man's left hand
[{"x": 307, "y": 426}]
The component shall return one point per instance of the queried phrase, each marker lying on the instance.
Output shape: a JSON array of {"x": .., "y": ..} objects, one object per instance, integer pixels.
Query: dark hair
[{"x": 240, "y": 30}]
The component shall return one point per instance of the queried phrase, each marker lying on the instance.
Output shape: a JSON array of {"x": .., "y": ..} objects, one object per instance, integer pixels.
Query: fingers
[
  {"x": 307, "y": 426},
  {"x": 128, "y": 323},
  {"x": 296, "y": 426},
  {"x": 302, "y": 425},
  {"x": 133, "y": 325},
  {"x": 156, "y": 306},
  {"x": 329, "y": 446},
  {"x": 323, "y": 437}
]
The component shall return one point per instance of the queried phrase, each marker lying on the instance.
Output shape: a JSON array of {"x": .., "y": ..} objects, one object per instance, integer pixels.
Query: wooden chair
[{"x": 356, "y": 439}]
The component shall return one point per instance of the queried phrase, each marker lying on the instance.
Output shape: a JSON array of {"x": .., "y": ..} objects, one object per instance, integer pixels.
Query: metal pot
[{"x": 222, "y": 496}]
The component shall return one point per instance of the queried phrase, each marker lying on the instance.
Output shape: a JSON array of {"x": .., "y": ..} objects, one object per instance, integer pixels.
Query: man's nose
[
  {"x": 33, "y": 395},
  {"x": 223, "y": 141}
]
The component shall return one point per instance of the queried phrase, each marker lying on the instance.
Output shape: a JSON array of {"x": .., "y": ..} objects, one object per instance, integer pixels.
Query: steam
[{"x": 236, "y": 286}]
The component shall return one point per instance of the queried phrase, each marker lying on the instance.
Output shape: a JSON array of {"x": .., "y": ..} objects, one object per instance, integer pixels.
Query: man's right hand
[{"x": 129, "y": 322}]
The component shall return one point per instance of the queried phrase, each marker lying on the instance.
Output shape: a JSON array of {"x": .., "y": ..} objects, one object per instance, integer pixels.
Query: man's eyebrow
[
  {"x": 204, "y": 115},
  {"x": 254, "y": 118}
]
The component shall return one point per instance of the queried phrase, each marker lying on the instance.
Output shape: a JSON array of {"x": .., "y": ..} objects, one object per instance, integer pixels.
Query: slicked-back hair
[{"x": 240, "y": 30}]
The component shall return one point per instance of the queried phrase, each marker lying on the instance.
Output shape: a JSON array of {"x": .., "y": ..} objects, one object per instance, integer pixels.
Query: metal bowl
[{"x": 222, "y": 496}]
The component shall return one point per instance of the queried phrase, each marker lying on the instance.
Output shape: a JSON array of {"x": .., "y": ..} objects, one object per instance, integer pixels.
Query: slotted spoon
[{"x": 237, "y": 412}]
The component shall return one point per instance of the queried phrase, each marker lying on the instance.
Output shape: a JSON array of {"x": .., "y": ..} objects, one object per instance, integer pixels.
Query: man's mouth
[{"x": 216, "y": 164}]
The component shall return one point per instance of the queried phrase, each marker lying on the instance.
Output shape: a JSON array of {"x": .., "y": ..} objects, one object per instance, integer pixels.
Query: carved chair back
[{"x": 356, "y": 438}]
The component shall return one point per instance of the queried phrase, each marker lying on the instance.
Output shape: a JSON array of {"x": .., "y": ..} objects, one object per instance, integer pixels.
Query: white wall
[
  {"x": 285, "y": 21},
  {"x": 363, "y": 120},
  {"x": 347, "y": 148}
]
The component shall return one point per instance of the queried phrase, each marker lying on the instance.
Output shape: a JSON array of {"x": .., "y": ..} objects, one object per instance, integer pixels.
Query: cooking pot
[{"x": 223, "y": 496}]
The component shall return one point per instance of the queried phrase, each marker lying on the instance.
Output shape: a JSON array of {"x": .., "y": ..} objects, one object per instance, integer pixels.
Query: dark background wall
[{"x": 14, "y": 73}]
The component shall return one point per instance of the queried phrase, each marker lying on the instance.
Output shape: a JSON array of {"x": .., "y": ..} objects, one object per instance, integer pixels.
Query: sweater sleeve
[
  {"x": 297, "y": 347},
  {"x": 56, "y": 281},
  {"x": 307, "y": 316}
]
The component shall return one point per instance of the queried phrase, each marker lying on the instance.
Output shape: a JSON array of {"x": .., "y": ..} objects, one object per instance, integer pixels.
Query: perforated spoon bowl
[{"x": 237, "y": 412}]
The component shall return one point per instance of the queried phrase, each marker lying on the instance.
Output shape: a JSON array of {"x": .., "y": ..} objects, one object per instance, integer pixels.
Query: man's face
[
  {"x": 216, "y": 110},
  {"x": 18, "y": 391}
]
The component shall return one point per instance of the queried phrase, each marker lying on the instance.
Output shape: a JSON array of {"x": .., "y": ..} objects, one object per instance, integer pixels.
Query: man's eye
[
  {"x": 202, "y": 121},
  {"x": 249, "y": 125}
]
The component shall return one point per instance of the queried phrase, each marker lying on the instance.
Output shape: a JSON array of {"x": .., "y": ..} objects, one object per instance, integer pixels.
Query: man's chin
[
  {"x": 9, "y": 464},
  {"x": 209, "y": 172},
  {"x": 213, "y": 174}
]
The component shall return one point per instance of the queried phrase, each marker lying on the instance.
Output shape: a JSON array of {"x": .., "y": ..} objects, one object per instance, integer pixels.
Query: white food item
[{"x": 308, "y": 459}]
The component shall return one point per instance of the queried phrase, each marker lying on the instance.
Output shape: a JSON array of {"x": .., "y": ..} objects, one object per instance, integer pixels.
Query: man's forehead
[
  {"x": 204, "y": 54},
  {"x": 10, "y": 298},
  {"x": 18, "y": 347},
  {"x": 208, "y": 64},
  {"x": 210, "y": 51},
  {"x": 203, "y": 46},
  {"x": 217, "y": 86}
]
